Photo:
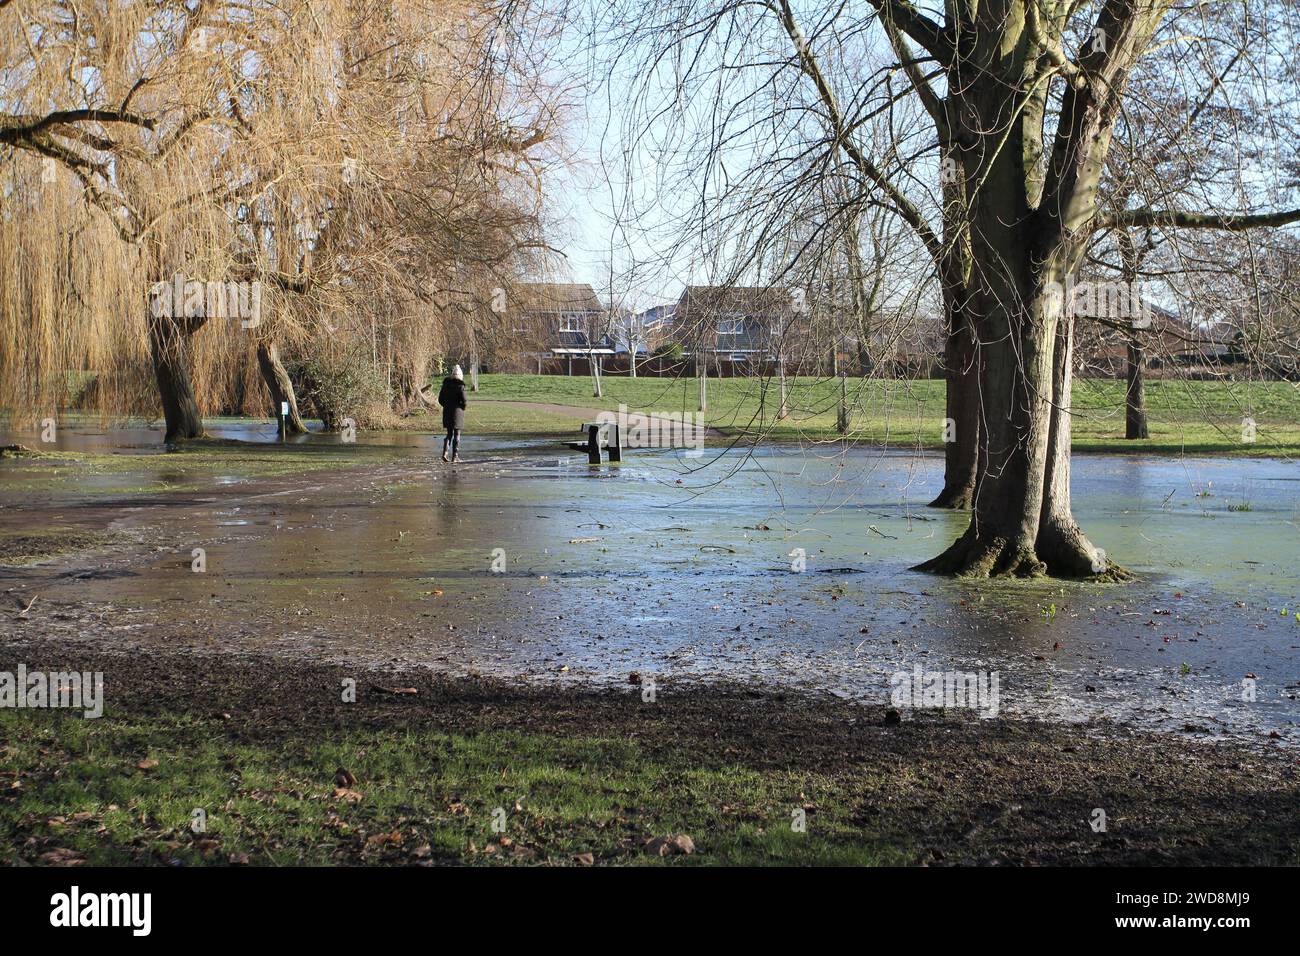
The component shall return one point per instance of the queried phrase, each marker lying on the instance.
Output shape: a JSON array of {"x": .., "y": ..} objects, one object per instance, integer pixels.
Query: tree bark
[
  {"x": 1016, "y": 384},
  {"x": 280, "y": 386},
  {"x": 960, "y": 354},
  {"x": 171, "y": 370},
  {"x": 962, "y": 405},
  {"x": 1135, "y": 399},
  {"x": 1061, "y": 545}
]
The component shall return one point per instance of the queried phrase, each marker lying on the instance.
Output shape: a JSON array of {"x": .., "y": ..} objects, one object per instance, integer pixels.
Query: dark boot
[{"x": 444, "y": 449}]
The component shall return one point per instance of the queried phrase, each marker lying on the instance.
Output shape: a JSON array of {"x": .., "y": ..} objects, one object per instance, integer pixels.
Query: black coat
[{"x": 452, "y": 400}]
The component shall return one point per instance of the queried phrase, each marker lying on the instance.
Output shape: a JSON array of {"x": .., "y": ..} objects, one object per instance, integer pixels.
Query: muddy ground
[{"x": 941, "y": 789}]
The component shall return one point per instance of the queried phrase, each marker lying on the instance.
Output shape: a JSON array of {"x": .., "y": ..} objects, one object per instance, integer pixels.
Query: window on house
[
  {"x": 571, "y": 322},
  {"x": 731, "y": 325}
]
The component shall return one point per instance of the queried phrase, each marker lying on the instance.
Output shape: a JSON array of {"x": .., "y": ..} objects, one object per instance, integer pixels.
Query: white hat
[{"x": 457, "y": 373}]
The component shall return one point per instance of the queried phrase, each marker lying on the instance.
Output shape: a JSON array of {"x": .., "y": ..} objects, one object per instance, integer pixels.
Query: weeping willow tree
[
  {"x": 332, "y": 162},
  {"x": 65, "y": 287}
]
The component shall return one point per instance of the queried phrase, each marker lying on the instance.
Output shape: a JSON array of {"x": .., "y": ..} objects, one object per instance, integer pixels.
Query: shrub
[{"x": 346, "y": 385}]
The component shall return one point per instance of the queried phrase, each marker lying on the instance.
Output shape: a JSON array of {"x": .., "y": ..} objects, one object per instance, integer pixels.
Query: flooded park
[
  {"x": 781, "y": 566},
  {"x": 564, "y": 434}
]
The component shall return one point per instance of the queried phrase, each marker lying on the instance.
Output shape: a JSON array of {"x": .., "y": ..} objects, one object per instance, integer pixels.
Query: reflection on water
[{"x": 530, "y": 563}]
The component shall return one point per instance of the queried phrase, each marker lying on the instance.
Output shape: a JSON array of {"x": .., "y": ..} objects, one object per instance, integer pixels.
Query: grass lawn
[
  {"x": 115, "y": 791},
  {"x": 1189, "y": 417}
]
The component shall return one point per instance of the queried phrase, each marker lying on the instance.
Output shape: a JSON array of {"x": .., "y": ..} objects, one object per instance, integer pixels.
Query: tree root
[
  {"x": 974, "y": 557},
  {"x": 1060, "y": 551},
  {"x": 1068, "y": 553},
  {"x": 956, "y": 497}
]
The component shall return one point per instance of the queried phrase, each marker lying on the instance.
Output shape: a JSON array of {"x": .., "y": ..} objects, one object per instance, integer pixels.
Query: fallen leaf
[
  {"x": 61, "y": 856},
  {"x": 672, "y": 845}
]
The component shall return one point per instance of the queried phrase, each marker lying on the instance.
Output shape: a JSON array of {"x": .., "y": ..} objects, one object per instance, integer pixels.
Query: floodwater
[{"x": 784, "y": 565}]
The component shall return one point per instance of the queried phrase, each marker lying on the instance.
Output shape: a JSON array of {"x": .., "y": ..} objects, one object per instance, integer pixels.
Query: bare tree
[{"x": 1021, "y": 99}]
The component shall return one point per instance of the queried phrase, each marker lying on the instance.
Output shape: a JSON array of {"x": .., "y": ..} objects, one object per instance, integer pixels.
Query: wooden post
[
  {"x": 593, "y": 444},
  {"x": 616, "y": 444}
]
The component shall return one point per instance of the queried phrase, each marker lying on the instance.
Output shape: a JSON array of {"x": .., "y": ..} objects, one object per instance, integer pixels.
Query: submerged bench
[{"x": 598, "y": 437}]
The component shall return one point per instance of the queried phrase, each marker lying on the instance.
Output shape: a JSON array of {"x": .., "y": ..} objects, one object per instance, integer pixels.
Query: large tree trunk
[
  {"x": 1135, "y": 398},
  {"x": 960, "y": 355},
  {"x": 1062, "y": 546},
  {"x": 1016, "y": 384},
  {"x": 280, "y": 386},
  {"x": 1022, "y": 523},
  {"x": 962, "y": 406},
  {"x": 171, "y": 370}
]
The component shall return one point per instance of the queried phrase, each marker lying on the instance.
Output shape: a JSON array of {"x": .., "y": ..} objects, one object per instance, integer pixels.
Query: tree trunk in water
[
  {"x": 1135, "y": 402},
  {"x": 280, "y": 386},
  {"x": 962, "y": 404},
  {"x": 180, "y": 410},
  {"x": 1022, "y": 524},
  {"x": 1062, "y": 546},
  {"x": 1016, "y": 384},
  {"x": 961, "y": 359},
  {"x": 1028, "y": 224}
]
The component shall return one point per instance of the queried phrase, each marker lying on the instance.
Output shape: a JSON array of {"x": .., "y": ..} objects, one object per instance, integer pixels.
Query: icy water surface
[{"x": 784, "y": 565}]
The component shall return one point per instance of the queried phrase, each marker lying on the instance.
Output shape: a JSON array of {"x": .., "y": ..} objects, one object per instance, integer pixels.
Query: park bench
[{"x": 598, "y": 437}]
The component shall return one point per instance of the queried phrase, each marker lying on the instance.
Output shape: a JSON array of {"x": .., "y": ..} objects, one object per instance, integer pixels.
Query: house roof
[
  {"x": 558, "y": 297},
  {"x": 757, "y": 301}
]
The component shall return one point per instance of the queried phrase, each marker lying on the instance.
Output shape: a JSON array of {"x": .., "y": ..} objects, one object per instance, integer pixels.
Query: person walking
[{"x": 452, "y": 399}]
